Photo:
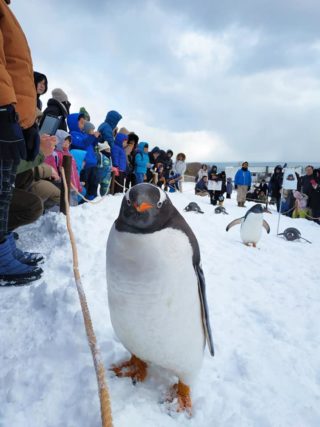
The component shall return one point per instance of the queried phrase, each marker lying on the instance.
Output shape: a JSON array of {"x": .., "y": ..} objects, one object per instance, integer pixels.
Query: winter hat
[
  {"x": 59, "y": 95},
  {"x": 61, "y": 135},
  {"x": 120, "y": 138},
  {"x": 245, "y": 163},
  {"x": 85, "y": 113},
  {"x": 124, "y": 130},
  {"x": 88, "y": 126},
  {"x": 103, "y": 146},
  {"x": 155, "y": 150},
  {"x": 38, "y": 77}
]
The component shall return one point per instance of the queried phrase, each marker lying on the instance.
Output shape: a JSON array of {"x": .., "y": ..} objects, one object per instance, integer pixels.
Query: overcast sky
[{"x": 219, "y": 80}]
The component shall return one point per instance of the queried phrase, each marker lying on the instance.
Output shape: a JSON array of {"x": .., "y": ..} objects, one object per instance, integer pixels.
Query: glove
[
  {"x": 12, "y": 144},
  {"x": 32, "y": 138},
  {"x": 235, "y": 187}
]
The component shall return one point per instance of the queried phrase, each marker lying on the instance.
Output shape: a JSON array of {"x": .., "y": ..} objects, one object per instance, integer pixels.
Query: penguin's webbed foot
[
  {"x": 181, "y": 392},
  {"x": 134, "y": 368}
]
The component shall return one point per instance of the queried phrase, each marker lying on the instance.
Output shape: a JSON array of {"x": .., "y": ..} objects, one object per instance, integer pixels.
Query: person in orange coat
[{"x": 19, "y": 138}]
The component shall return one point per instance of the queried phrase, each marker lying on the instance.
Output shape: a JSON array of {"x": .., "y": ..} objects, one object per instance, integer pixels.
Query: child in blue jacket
[
  {"x": 119, "y": 160},
  {"x": 141, "y": 161}
]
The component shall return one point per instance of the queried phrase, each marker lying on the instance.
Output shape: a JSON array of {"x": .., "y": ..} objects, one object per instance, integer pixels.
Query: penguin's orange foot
[
  {"x": 133, "y": 368},
  {"x": 181, "y": 392}
]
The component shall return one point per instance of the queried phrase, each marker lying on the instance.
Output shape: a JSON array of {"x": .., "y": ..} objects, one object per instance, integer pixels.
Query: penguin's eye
[
  {"x": 128, "y": 202},
  {"x": 159, "y": 205}
]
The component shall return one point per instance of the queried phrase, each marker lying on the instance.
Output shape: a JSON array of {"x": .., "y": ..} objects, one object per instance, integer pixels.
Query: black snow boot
[{"x": 14, "y": 272}]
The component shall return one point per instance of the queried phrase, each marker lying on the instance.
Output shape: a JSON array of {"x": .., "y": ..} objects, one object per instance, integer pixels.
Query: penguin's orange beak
[{"x": 143, "y": 207}]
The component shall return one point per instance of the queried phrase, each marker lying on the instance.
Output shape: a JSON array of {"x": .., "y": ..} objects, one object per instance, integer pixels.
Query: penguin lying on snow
[
  {"x": 193, "y": 207},
  {"x": 157, "y": 297},
  {"x": 220, "y": 209},
  {"x": 292, "y": 234},
  {"x": 251, "y": 225}
]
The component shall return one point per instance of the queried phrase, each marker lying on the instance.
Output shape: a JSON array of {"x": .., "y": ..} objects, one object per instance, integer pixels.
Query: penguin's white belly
[
  {"x": 251, "y": 228},
  {"x": 154, "y": 300}
]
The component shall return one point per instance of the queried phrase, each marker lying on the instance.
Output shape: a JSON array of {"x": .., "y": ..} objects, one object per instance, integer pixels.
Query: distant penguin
[
  {"x": 220, "y": 209},
  {"x": 193, "y": 207},
  {"x": 292, "y": 234},
  {"x": 251, "y": 225},
  {"x": 156, "y": 290}
]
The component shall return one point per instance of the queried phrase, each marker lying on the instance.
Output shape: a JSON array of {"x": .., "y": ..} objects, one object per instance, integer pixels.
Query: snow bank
[{"x": 264, "y": 306}]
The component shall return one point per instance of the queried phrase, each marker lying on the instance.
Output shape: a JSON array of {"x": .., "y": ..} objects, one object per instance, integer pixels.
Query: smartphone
[{"x": 50, "y": 125}]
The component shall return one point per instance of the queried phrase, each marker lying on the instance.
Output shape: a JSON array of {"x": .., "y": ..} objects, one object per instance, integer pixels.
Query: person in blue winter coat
[
  {"x": 85, "y": 142},
  {"x": 242, "y": 182},
  {"x": 108, "y": 128},
  {"x": 119, "y": 160},
  {"x": 141, "y": 161}
]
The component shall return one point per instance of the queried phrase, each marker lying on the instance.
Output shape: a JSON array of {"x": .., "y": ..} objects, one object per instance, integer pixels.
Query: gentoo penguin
[
  {"x": 193, "y": 207},
  {"x": 292, "y": 234},
  {"x": 156, "y": 290},
  {"x": 251, "y": 225}
]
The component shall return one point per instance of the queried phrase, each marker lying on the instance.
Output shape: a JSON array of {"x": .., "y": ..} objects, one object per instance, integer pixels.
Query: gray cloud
[{"x": 225, "y": 80}]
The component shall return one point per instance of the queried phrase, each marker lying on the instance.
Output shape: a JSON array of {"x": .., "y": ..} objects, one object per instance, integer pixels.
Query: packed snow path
[{"x": 264, "y": 305}]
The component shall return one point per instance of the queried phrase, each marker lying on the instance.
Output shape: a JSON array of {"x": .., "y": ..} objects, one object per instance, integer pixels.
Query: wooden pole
[{"x": 66, "y": 164}]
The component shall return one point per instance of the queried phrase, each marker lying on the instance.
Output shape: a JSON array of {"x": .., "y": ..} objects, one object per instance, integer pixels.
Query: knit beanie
[
  {"x": 59, "y": 95},
  {"x": 85, "y": 113},
  {"x": 88, "y": 127}
]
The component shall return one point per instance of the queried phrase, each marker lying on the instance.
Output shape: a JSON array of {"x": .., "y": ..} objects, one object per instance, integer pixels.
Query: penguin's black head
[
  {"x": 257, "y": 209},
  {"x": 145, "y": 208}
]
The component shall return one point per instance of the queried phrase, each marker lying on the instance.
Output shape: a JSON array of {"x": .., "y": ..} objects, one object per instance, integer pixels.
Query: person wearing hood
[
  {"x": 86, "y": 142},
  {"x": 41, "y": 85},
  {"x": 119, "y": 160},
  {"x": 58, "y": 106},
  {"x": 56, "y": 162},
  {"x": 108, "y": 128},
  {"x": 275, "y": 185},
  {"x": 141, "y": 162},
  {"x": 179, "y": 168},
  {"x": 242, "y": 182}
]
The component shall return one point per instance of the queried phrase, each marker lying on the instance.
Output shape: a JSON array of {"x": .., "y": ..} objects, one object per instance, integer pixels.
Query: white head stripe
[{"x": 163, "y": 195}]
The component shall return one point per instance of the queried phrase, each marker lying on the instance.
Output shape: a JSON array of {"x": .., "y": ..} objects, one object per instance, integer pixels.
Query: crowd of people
[
  {"x": 304, "y": 202},
  {"x": 31, "y": 160}
]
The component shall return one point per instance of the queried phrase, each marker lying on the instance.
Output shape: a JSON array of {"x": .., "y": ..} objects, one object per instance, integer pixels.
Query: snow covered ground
[{"x": 264, "y": 305}]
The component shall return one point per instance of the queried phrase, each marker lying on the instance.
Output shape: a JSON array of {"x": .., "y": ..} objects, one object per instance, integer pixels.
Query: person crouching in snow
[
  {"x": 56, "y": 161},
  {"x": 179, "y": 168},
  {"x": 141, "y": 162},
  {"x": 300, "y": 205},
  {"x": 202, "y": 187},
  {"x": 173, "y": 182},
  {"x": 119, "y": 160}
]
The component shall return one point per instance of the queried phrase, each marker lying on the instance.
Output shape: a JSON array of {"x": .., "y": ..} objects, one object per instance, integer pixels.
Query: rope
[{"x": 105, "y": 406}]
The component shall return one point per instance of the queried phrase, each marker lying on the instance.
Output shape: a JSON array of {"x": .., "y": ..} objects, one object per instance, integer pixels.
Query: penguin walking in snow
[
  {"x": 156, "y": 290},
  {"x": 251, "y": 225}
]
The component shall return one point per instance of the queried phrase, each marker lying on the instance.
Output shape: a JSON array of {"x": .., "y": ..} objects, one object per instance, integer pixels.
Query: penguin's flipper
[
  {"x": 266, "y": 226},
  {"x": 204, "y": 307},
  {"x": 234, "y": 222}
]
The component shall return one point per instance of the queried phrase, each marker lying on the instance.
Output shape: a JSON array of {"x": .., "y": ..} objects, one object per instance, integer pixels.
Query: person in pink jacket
[{"x": 56, "y": 159}]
